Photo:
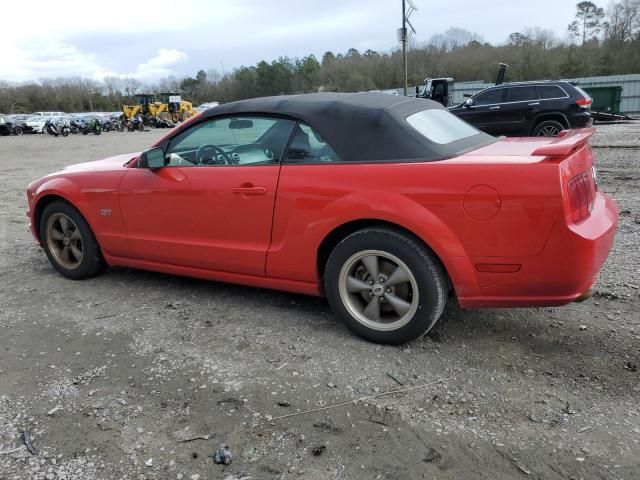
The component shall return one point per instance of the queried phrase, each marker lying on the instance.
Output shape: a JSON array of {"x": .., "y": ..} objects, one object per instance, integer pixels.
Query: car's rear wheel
[
  {"x": 386, "y": 286},
  {"x": 548, "y": 128},
  {"x": 18, "y": 131},
  {"x": 69, "y": 242}
]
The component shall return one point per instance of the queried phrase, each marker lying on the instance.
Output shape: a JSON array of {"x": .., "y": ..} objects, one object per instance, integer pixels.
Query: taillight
[
  {"x": 584, "y": 102},
  {"x": 582, "y": 193}
]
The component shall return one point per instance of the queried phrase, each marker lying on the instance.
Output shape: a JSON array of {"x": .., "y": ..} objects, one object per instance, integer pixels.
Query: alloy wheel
[
  {"x": 64, "y": 241},
  {"x": 378, "y": 290},
  {"x": 549, "y": 131}
]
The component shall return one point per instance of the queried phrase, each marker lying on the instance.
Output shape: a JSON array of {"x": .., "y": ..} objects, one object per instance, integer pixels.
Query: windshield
[
  {"x": 440, "y": 126},
  {"x": 35, "y": 118}
]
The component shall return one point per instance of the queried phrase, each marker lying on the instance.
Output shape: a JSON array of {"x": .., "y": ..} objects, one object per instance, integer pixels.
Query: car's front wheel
[
  {"x": 385, "y": 285},
  {"x": 69, "y": 242}
]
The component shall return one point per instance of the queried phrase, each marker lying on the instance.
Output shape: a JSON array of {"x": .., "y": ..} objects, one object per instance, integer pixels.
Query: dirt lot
[{"x": 141, "y": 375}]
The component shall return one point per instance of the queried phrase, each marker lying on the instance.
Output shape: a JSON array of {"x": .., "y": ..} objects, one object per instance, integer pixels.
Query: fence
[{"x": 630, "y": 89}]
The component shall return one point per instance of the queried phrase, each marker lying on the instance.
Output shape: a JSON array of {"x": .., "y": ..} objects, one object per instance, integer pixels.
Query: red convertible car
[{"x": 387, "y": 205}]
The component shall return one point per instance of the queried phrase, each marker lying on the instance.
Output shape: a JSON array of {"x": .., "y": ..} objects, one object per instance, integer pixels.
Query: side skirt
[{"x": 240, "y": 279}]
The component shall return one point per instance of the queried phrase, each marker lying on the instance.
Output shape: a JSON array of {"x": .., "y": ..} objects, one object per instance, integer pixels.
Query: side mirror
[
  {"x": 152, "y": 159},
  {"x": 468, "y": 102}
]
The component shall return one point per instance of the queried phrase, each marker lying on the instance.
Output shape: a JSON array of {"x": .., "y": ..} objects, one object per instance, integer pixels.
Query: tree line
[{"x": 598, "y": 42}]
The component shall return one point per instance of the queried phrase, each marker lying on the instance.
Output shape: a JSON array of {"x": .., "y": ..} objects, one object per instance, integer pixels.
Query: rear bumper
[
  {"x": 580, "y": 119},
  {"x": 563, "y": 272}
]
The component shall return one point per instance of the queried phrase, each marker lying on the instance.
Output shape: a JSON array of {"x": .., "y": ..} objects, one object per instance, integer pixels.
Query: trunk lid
[
  {"x": 561, "y": 145},
  {"x": 570, "y": 152}
]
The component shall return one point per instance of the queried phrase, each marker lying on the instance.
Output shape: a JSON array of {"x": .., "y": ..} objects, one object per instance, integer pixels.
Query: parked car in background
[
  {"x": 206, "y": 106},
  {"x": 527, "y": 109},
  {"x": 9, "y": 126},
  {"x": 48, "y": 114},
  {"x": 6, "y": 125},
  {"x": 386, "y": 205},
  {"x": 19, "y": 117},
  {"x": 36, "y": 124}
]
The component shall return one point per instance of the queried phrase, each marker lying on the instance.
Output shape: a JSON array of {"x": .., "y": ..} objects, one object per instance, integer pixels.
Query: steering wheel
[{"x": 212, "y": 153}]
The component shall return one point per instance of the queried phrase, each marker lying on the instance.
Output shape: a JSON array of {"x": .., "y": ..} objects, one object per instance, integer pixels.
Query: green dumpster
[{"x": 605, "y": 99}]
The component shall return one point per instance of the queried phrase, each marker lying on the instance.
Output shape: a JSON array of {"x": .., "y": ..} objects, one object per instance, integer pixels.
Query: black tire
[
  {"x": 429, "y": 275},
  {"x": 548, "y": 128},
  {"x": 141, "y": 127},
  {"x": 18, "y": 131},
  {"x": 92, "y": 262}
]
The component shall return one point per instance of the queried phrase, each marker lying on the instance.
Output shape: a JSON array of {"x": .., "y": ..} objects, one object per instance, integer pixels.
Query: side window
[
  {"x": 308, "y": 146},
  {"x": 237, "y": 140},
  {"x": 550, "y": 91},
  {"x": 522, "y": 94},
  {"x": 490, "y": 97}
]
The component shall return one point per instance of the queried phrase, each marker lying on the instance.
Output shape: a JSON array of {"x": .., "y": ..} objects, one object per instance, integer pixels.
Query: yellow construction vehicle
[
  {"x": 172, "y": 107},
  {"x": 169, "y": 107},
  {"x": 144, "y": 105}
]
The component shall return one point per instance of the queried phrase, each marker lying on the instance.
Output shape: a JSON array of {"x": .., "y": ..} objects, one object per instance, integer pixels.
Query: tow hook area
[{"x": 587, "y": 294}]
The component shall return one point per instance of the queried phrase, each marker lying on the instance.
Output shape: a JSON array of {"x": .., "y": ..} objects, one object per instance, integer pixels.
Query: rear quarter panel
[{"x": 426, "y": 198}]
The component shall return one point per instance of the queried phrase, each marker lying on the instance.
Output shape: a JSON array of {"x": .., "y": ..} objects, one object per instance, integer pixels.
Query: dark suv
[{"x": 527, "y": 108}]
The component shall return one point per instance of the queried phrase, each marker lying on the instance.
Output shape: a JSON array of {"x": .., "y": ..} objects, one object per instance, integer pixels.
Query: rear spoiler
[{"x": 565, "y": 142}]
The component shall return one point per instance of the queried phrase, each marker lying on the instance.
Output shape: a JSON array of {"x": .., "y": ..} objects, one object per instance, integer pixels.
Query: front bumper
[{"x": 563, "y": 272}]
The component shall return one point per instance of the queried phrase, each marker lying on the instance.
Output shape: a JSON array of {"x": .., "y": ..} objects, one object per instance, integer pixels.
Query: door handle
[
  {"x": 534, "y": 104},
  {"x": 494, "y": 108},
  {"x": 249, "y": 190}
]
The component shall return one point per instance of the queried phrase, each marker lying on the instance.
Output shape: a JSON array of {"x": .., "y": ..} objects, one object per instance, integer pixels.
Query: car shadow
[{"x": 548, "y": 338}]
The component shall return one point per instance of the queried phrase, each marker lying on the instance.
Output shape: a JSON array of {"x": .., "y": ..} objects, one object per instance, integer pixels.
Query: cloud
[
  {"x": 161, "y": 65},
  {"x": 46, "y": 57},
  {"x": 68, "y": 42},
  {"x": 52, "y": 59}
]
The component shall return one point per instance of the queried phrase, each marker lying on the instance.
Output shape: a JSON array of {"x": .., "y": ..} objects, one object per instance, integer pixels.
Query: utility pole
[
  {"x": 404, "y": 48},
  {"x": 404, "y": 38}
]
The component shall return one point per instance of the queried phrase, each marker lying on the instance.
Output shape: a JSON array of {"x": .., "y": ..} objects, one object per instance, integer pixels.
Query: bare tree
[
  {"x": 588, "y": 22},
  {"x": 623, "y": 21},
  {"x": 517, "y": 39},
  {"x": 454, "y": 38}
]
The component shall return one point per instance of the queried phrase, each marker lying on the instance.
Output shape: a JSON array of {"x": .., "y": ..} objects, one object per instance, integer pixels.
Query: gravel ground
[{"x": 142, "y": 375}]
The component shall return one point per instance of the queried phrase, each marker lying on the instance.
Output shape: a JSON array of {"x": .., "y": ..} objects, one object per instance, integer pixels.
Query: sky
[{"x": 152, "y": 40}]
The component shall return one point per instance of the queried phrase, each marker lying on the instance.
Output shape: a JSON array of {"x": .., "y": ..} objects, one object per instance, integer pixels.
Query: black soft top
[{"x": 360, "y": 127}]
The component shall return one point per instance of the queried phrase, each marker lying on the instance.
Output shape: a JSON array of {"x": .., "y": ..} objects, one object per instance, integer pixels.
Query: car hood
[{"x": 110, "y": 163}]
